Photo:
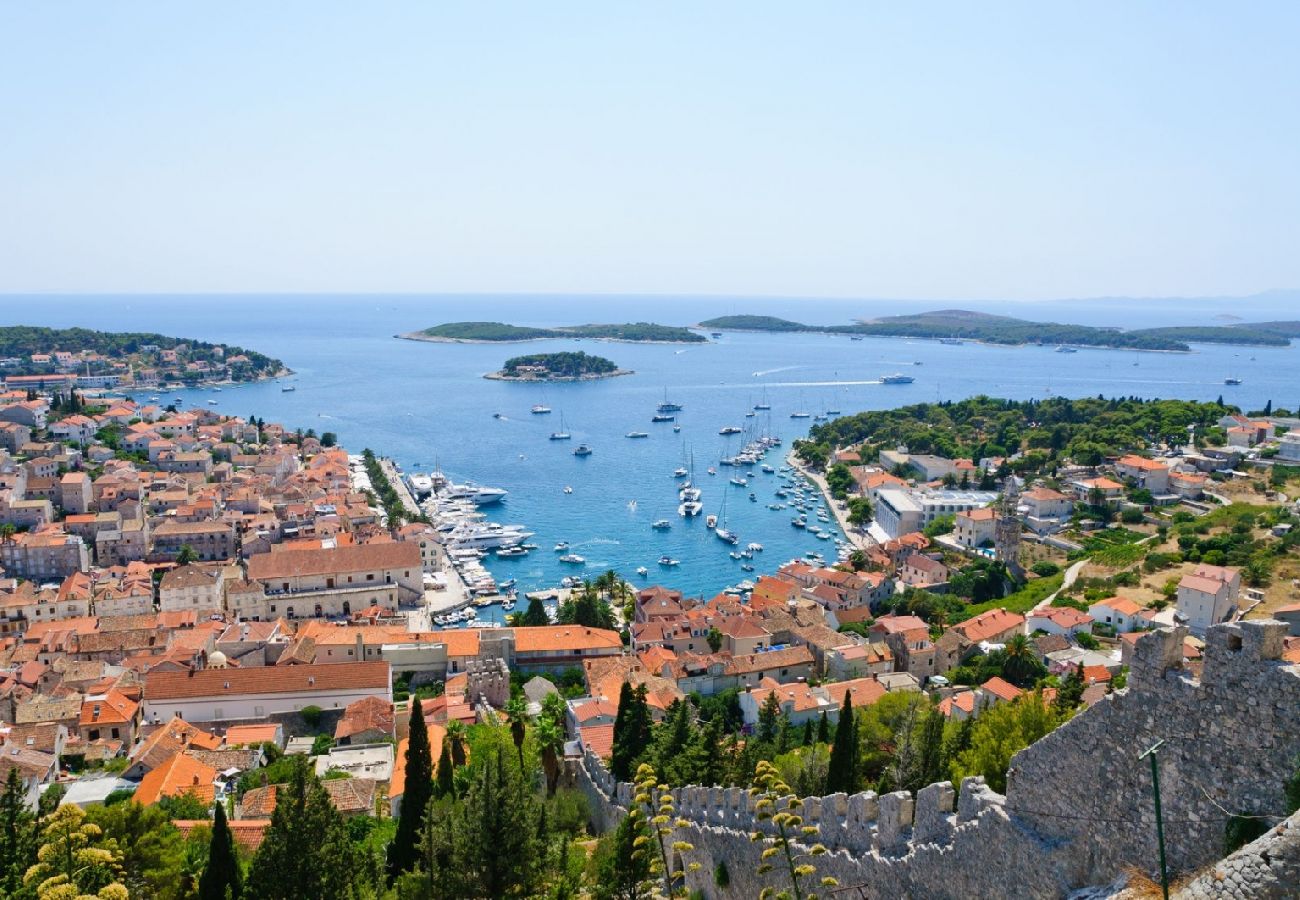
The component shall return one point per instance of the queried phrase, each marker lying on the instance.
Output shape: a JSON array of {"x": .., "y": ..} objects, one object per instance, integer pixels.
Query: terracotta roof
[
  {"x": 268, "y": 680},
  {"x": 181, "y": 774},
  {"x": 356, "y": 558},
  {"x": 248, "y": 833},
  {"x": 28, "y": 762},
  {"x": 1001, "y": 688},
  {"x": 964, "y": 701},
  {"x": 770, "y": 659},
  {"x": 347, "y": 795},
  {"x": 366, "y": 714},
  {"x": 599, "y": 739},
  {"x": 864, "y": 691},
  {"x": 112, "y": 708},
  {"x": 1063, "y": 616},
  {"x": 165, "y": 741},
  {"x": 899, "y": 624},
  {"x": 1122, "y": 605},
  {"x": 237, "y": 735},
  {"x": 1200, "y": 583},
  {"x": 797, "y": 694},
  {"x": 565, "y": 637},
  {"x": 988, "y": 624}
]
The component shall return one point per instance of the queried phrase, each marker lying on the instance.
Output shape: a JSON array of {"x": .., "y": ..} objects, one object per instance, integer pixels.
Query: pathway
[{"x": 1071, "y": 575}]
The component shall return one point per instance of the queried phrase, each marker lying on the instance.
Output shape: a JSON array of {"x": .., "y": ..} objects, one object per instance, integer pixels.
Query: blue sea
[{"x": 428, "y": 405}]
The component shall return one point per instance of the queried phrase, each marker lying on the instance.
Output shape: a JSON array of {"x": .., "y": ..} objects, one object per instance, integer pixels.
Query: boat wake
[{"x": 774, "y": 371}]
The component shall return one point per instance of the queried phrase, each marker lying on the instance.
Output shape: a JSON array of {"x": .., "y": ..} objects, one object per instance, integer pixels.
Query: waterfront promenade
[{"x": 860, "y": 540}]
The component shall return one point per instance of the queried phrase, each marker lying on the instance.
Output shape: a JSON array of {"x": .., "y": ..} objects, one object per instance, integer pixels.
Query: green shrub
[{"x": 311, "y": 715}]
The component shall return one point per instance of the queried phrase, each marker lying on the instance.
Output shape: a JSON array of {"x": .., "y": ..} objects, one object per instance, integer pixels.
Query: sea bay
[{"x": 427, "y": 404}]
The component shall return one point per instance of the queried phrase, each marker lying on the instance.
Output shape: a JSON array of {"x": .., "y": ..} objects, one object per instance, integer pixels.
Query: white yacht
[
  {"x": 477, "y": 494},
  {"x": 488, "y": 536}
]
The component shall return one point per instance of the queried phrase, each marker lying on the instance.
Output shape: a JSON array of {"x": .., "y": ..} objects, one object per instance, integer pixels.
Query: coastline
[
  {"x": 859, "y": 540},
  {"x": 595, "y": 376},
  {"x": 965, "y": 340}
]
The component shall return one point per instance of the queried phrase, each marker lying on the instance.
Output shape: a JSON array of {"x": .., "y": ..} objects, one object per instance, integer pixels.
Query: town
[{"x": 207, "y": 616}]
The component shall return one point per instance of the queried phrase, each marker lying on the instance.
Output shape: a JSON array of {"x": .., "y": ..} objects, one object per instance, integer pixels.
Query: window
[
  {"x": 370, "y": 576},
  {"x": 258, "y": 712},
  {"x": 217, "y": 713}
]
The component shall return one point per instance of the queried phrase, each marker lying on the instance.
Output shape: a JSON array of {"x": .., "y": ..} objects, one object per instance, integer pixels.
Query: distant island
[
  {"x": 960, "y": 324},
  {"x": 557, "y": 367},
  {"x": 499, "y": 332},
  {"x": 106, "y": 359}
]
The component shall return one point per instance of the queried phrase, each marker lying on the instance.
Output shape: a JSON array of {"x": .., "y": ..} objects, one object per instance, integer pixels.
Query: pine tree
[
  {"x": 17, "y": 836},
  {"x": 306, "y": 852},
  {"x": 842, "y": 773},
  {"x": 222, "y": 873},
  {"x": 1070, "y": 693},
  {"x": 416, "y": 793},
  {"x": 535, "y": 614},
  {"x": 623, "y": 862},
  {"x": 501, "y": 854}
]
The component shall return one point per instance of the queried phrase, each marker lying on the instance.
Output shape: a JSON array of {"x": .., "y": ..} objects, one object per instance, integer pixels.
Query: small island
[
  {"x": 557, "y": 367},
  {"x": 81, "y": 357},
  {"x": 500, "y": 332}
]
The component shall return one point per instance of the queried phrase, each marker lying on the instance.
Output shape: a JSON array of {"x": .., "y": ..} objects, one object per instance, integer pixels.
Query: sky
[{"x": 1001, "y": 150}]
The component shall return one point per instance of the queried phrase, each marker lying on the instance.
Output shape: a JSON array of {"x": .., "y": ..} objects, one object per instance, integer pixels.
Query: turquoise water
[{"x": 427, "y": 403}]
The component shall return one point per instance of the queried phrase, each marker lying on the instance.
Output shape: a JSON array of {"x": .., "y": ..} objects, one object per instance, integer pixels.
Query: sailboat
[
  {"x": 721, "y": 530},
  {"x": 800, "y": 413},
  {"x": 690, "y": 495},
  {"x": 563, "y": 433},
  {"x": 763, "y": 404}
]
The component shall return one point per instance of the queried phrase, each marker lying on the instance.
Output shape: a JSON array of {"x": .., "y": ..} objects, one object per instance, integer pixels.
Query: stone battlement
[{"x": 1078, "y": 806}]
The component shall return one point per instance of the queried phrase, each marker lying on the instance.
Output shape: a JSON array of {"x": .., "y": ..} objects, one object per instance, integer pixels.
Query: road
[{"x": 1071, "y": 575}]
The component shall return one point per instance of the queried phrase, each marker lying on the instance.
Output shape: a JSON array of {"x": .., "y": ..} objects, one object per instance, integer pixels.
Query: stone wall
[
  {"x": 1268, "y": 869},
  {"x": 1078, "y": 806}
]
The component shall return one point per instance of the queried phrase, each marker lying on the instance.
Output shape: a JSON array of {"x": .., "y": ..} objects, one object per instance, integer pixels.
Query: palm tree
[
  {"x": 550, "y": 740},
  {"x": 1019, "y": 658},
  {"x": 7, "y": 532},
  {"x": 517, "y": 715},
  {"x": 456, "y": 741},
  {"x": 858, "y": 560}
]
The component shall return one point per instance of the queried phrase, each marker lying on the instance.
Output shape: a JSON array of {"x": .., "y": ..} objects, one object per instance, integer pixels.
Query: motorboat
[
  {"x": 540, "y": 409},
  {"x": 710, "y": 521},
  {"x": 677, "y": 429},
  {"x": 668, "y": 406},
  {"x": 637, "y": 434},
  {"x": 897, "y": 378},
  {"x": 661, "y": 524},
  {"x": 568, "y": 489},
  {"x": 740, "y": 482},
  {"x": 662, "y": 417},
  {"x": 680, "y": 472},
  {"x": 561, "y": 546},
  {"x": 508, "y": 552},
  {"x": 753, "y": 498},
  {"x": 711, "y": 470},
  {"x": 487, "y": 536},
  {"x": 800, "y": 415},
  {"x": 730, "y": 429},
  {"x": 799, "y": 522},
  {"x": 573, "y": 559},
  {"x": 642, "y": 571},
  {"x": 284, "y": 390},
  {"x": 667, "y": 560},
  {"x": 568, "y": 581},
  {"x": 754, "y": 547},
  {"x": 582, "y": 450},
  {"x": 689, "y": 508},
  {"x": 1232, "y": 381},
  {"x": 768, "y": 470}
]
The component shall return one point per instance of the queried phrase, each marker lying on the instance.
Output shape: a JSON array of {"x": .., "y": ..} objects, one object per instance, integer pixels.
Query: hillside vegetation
[
  {"x": 21, "y": 341},
  {"x": 1045, "y": 431}
]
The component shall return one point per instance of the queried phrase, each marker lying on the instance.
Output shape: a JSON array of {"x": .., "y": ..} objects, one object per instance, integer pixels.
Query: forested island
[
  {"x": 108, "y": 358},
  {"x": 577, "y": 366},
  {"x": 493, "y": 332},
  {"x": 960, "y": 324}
]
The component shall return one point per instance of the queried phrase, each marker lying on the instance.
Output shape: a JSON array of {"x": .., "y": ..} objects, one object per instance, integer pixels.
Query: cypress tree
[
  {"x": 933, "y": 762},
  {"x": 416, "y": 793},
  {"x": 823, "y": 730},
  {"x": 842, "y": 772},
  {"x": 808, "y": 733},
  {"x": 222, "y": 874},
  {"x": 622, "y": 751},
  {"x": 446, "y": 772}
]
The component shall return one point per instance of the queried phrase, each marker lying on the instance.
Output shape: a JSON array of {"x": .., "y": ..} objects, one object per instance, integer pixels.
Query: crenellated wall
[{"x": 1078, "y": 806}]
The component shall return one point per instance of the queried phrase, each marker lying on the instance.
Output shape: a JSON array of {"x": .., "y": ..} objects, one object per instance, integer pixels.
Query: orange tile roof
[
  {"x": 114, "y": 708},
  {"x": 988, "y": 624},
  {"x": 599, "y": 739},
  {"x": 269, "y": 680},
  {"x": 248, "y": 833},
  {"x": 292, "y": 563},
  {"x": 181, "y": 774},
  {"x": 1122, "y": 605},
  {"x": 865, "y": 691},
  {"x": 248, "y": 735},
  {"x": 1001, "y": 688},
  {"x": 565, "y": 637},
  {"x": 1095, "y": 674}
]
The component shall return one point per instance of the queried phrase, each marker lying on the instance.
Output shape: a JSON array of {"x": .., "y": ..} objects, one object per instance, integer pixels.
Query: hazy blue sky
[{"x": 841, "y": 149}]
